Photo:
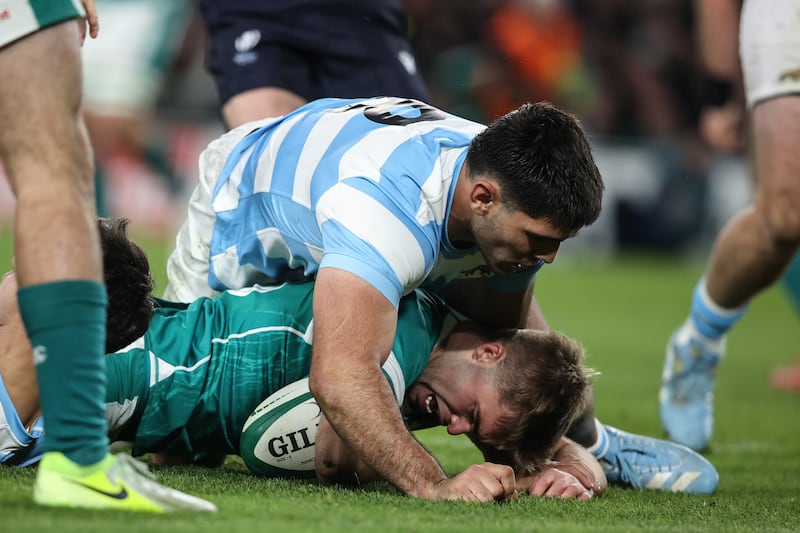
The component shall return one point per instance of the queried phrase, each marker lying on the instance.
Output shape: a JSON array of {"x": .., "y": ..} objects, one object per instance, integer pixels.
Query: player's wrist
[
  {"x": 427, "y": 485},
  {"x": 433, "y": 489},
  {"x": 717, "y": 91}
]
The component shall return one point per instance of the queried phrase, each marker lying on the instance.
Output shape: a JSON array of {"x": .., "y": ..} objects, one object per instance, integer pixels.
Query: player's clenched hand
[
  {"x": 479, "y": 483},
  {"x": 555, "y": 483},
  {"x": 723, "y": 127}
]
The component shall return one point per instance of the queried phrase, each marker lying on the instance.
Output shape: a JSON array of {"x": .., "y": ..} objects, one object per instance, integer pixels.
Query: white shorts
[
  {"x": 19, "y": 18},
  {"x": 769, "y": 46},
  {"x": 188, "y": 264},
  {"x": 124, "y": 68}
]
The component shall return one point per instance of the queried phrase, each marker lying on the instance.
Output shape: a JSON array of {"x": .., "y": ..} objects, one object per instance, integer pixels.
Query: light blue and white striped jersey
[{"x": 362, "y": 185}]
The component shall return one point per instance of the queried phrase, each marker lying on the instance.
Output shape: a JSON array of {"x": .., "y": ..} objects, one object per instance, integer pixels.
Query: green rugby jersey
[{"x": 190, "y": 383}]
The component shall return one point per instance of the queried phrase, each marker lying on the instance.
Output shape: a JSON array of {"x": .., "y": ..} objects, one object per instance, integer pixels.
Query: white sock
[{"x": 689, "y": 331}]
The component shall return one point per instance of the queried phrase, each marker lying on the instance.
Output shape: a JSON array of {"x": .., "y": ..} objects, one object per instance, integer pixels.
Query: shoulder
[{"x": 421, "y": 317}]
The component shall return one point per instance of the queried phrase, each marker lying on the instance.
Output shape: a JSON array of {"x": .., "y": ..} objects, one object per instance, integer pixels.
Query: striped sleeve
[{"x": 363, "y": 236}]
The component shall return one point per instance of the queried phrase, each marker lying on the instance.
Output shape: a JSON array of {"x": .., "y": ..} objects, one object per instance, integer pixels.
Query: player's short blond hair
[{"x": 544, "y": 387}]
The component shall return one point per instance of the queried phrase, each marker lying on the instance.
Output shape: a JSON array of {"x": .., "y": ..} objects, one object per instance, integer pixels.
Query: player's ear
[
  {"x": 489, "y": 352},
  {"x": 483, "y": 195}
]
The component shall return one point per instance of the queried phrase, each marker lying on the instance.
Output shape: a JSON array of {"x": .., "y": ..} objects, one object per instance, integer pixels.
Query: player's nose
[
  {"x": 458, "y": 425},
  {"x": 548, "y": 258}
]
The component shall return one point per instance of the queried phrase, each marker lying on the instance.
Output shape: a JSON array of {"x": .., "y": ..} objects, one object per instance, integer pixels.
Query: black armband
[{"x": 716, "y": 92}]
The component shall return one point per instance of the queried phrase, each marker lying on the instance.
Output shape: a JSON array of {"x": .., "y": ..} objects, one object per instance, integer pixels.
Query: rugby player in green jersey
[{"x": 186, "y": 387}]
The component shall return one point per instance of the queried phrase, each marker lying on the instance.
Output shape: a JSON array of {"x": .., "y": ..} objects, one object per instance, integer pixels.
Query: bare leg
[
  {"x": 62, "y": 300},
  {"x": 16, "y": 364},
  {"x": 44, "y": 147},
  {"x": 256, "y": 104},
  {"x": 749, "y": 255},
  {"x": 755, "y": 248}
]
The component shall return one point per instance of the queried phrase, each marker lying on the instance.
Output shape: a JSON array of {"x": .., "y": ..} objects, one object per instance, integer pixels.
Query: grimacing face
[{"x": 458, "y": 391}]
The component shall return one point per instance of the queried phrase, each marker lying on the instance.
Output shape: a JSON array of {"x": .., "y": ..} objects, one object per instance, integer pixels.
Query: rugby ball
[{"x": 279, "y": 435}]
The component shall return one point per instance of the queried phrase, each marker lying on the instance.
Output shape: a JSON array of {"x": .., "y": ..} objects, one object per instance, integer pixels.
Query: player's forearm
[
  {"x": 353, "y": 335},
  {"x": 718, "y": 37},
  {"x": 376, "y": 434}
]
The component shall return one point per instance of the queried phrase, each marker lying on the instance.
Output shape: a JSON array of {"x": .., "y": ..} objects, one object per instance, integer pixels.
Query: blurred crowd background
[{"x": 629, "y": 69}]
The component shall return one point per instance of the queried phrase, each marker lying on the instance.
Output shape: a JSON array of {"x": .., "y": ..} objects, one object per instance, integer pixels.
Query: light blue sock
[
  {"x": 711, "y": 320},
  {"x": 66, "y": 323},
  {"x": 600, "y": 447}
]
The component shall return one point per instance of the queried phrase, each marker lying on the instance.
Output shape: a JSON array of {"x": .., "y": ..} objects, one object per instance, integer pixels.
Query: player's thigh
[
  {"x": 770, "y": 57},
  {"x": 43, "y": 139},
  {"x": 19, "y": 374},
  {"x": 258, "y": 103},
  {"x": 15, "y": 440},
  {"x": 776, "y": 142}
]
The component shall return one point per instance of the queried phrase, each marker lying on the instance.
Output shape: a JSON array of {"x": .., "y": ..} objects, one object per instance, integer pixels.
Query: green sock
[
  {"x": 66, "y": 322},
  {"x": 100, "y": 190},
  {"x": 791, "y": 282}
]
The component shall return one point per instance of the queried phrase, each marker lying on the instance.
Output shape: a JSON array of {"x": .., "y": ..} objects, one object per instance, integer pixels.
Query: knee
[{"x": 782, "y": 219}]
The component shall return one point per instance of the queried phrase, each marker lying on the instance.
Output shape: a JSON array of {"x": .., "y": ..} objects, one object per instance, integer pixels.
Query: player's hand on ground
[
  {"x": 571, "y": 459},
  {"x": 479, "y": 483},
  {"x": 579, "y": 471},
  {"x": 555, "y": 483}
]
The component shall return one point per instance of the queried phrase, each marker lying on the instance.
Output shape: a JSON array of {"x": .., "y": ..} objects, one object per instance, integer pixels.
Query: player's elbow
[
  {"x": 323, "y": 388},
  {"x": 342, "y": 470},
  {"x": 329, "y": 470},
  {"x": 316, "y": 385},
  {"x": 333, "y": 461}
]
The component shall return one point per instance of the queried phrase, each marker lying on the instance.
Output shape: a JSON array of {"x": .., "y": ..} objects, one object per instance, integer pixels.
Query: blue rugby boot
[
  {"x": 645, "y": 463},
  {"x": 686, "y": 397}
]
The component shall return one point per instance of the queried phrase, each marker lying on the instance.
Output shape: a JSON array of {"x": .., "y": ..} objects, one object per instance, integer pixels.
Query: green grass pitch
[{"x": 623, "y": 310}]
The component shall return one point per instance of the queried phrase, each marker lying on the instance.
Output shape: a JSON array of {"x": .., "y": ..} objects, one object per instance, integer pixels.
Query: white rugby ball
[{"x": 279, "y": 435}]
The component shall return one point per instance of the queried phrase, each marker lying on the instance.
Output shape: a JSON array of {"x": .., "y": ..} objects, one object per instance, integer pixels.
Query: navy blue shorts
[{"x": 314, "y": 48}]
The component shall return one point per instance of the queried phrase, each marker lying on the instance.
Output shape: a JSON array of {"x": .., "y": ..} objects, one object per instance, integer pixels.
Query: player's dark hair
[
  {"x": 542, "y": 160},
  {"x": 129, "y": 284},
  {"x": 544, "y": 386}
]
